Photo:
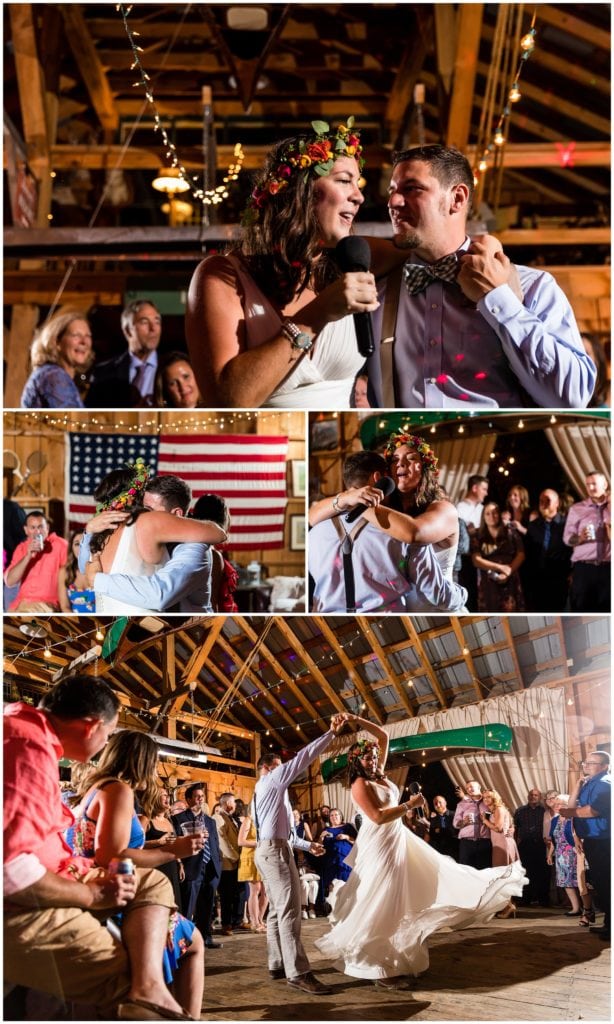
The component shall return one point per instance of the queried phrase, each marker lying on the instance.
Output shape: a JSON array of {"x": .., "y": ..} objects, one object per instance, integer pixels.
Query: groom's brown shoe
[{"x": 309, "y": 983}]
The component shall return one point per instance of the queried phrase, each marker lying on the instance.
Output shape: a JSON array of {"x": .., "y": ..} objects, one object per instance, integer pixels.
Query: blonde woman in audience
[{"x": 257, "y": 900}]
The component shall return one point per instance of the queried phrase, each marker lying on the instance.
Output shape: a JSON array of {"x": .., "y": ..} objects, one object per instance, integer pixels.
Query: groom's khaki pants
[{"x": 275, "y": 862}]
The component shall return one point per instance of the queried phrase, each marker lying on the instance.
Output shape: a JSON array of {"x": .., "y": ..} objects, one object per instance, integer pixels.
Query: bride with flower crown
[
  {"x": 271, "y": 323},
  {"x": 400, "y": 890},
  {"x": 125, "y": 540}
]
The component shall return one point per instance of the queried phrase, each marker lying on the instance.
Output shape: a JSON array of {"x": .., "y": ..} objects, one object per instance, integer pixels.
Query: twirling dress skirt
[{"x": 400, "y": 892}]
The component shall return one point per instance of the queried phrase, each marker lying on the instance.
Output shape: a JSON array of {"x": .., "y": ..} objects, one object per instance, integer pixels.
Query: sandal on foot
[
  {"x": 397, "y": 983},
  {"x": 142, "y": 1009}
]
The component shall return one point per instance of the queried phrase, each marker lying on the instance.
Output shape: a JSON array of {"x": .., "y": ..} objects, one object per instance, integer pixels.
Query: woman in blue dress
[
  {"x": 62, "y": 348},
  {"x": 562, "y": 846},
  {"x": 338, "y": 839},
  {"x": 73, "y": 592},
  {"x": 106, "y": 826}
]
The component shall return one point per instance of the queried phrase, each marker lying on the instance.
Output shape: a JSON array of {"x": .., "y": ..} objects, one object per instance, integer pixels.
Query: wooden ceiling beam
[
  {"x": 467, "y": 656},
  {"x": 511, "y": 642},
  {"x": 253, "y": 710},
  {"x": 465, "y": 69},
  {"x": 552, "y": 101},
  {"x": 400, "y": 97},
  {"x": 349, "y": 666},
  {"x": 279, "y": 668},
  {"x": 197, "y": 660},
  {"x": 581, "y": 74},
  {"x": 575, "y": 26},
  {"x": 264, "y": 690},
  {"x": 88, "y": 61},
  {"x": 416, "y": 640},
  {"x": 296, "y": 645},
  {"x": 392, "y": 678}
]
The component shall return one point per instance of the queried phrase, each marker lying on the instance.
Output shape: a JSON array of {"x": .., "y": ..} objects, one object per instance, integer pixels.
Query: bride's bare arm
[
  {"x": 365, "y": 797},
  {"x": 154, "y": 529},
  {"x": 228, "y": 373},
  {"x": 437, "y": 523}
]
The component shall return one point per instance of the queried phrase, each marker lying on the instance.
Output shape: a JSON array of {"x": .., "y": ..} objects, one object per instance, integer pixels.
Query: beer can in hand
[{"x": 121, "y": 866}]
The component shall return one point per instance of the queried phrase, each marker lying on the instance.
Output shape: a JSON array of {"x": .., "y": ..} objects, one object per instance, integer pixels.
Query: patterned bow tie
[{"x": 417, "y": 277}]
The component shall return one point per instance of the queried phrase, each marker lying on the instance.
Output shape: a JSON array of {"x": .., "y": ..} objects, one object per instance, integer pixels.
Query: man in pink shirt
[
  {"x": 54, "y": 902},
  {"x": 35, "y": 566},
  {"x": 587, "y": 531}
]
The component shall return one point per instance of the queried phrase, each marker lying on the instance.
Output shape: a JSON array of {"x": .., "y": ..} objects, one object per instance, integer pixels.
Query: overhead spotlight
[
  {"x": 34, "y": 629},
  {"x": 465, "y": 650}
]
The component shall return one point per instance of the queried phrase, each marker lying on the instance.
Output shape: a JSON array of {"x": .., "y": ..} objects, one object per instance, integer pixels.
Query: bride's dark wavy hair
[
  {"x": 111, "y": 486},
  {"x": 283, "y": 248},
  {"x": 356, "y": 769}
]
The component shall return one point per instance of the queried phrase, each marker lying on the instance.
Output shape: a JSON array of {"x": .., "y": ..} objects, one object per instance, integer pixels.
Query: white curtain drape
[
  {"x": 538, "y": 757},
  {"x": 580, "y": 447},
  {"x": 460, "y": 458},
  {"x": 336, "y": 793}
]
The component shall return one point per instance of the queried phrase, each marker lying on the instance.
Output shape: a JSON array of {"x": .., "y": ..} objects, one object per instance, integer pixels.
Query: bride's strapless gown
[
  {"x": 400, "y": 892},
  {"x": 127, "y": 560}
]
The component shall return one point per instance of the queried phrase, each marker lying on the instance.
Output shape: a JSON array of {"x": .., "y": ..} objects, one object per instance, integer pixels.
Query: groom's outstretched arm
[{"x": 164, "y": 588}]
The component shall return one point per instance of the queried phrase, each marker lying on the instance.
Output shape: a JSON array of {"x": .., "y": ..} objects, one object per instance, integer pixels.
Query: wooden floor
[{"x": 540, "y": 966}]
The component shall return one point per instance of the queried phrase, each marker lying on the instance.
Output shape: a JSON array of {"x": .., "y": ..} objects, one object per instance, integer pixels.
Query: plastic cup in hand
[
  {"x": 470, "y": 816},
  {"x": 590, "y": 531},
  {"x": 191, "y": 828}
]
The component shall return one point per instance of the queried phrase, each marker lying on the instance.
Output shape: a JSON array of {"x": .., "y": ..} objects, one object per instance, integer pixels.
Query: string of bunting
[
  {"x": 499, "y": 135},
  {"x": 207, "y": 197}
]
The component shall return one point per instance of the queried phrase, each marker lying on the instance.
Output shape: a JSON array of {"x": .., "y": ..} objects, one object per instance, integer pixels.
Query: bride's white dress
[
  {"x": 127, "y": 560},
  {"x": 399, "y": 892}
]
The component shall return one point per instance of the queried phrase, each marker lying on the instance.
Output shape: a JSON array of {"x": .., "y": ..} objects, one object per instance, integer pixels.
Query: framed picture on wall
[
  {"x": 297, "y": 533},
  {"x": 299, "y": 478},
  {"x": 324, "y": 435}
]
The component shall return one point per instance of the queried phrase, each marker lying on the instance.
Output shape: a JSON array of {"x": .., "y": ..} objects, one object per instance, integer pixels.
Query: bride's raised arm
[{"x": 381, "y": 735}]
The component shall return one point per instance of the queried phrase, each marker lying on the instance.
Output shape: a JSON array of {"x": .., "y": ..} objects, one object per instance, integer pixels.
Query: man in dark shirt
[
  {"x": 548, "y": 563},
  {"x": 590, "y": 807},
  {"x": 442, "y": 832},
  {"x": 529, "y": 829}
]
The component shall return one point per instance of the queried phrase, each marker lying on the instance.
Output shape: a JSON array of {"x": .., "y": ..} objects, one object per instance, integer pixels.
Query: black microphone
[
  {"x": 385, "y": 484},
  {"x": 353, "y": 253}
]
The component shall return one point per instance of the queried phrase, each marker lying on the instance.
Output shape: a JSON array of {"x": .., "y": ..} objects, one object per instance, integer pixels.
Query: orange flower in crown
[{"x": 312, "y": 154}]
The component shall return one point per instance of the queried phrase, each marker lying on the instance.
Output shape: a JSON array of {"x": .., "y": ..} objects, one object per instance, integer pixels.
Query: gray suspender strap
[
  {"x": 386, "y": 348},
  {"x": 347, "y": 543}
]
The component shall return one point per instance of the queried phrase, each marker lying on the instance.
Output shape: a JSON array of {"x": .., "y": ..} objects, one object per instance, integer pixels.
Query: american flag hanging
[{"x": 248, "y": 470}]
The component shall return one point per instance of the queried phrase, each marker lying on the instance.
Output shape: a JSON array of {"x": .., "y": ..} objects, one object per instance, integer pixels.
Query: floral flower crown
[
  {"x": 426, "y": 453},
  {"x": 131, "y": 495},
  {"x": 361, "y": 748},
  {"x": 315, "y": 153}
]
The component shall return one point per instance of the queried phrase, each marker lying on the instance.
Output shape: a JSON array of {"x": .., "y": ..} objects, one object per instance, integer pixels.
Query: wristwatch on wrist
[{"x": 297, "y": 338}]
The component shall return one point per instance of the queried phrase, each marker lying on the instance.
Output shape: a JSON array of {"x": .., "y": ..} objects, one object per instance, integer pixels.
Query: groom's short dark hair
[{"x": 173, "y": 491}]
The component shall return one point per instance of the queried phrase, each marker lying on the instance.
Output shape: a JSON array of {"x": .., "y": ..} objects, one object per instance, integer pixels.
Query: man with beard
[{"x": 460, "y": 327}]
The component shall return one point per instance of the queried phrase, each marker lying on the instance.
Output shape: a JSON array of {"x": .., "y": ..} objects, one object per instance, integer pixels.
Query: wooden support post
[{"x": 465, "y": 65}]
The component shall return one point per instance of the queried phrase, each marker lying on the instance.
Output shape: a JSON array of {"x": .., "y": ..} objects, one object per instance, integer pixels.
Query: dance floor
[{"x": 539, "y": 967}]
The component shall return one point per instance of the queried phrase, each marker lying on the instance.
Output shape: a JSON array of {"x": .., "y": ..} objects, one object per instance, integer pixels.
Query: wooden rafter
[
  {"x": 276, "y": 664},
  {"x": 311, "y": 665},
  {"x": 512, "y": 650},
  {"x": 427, "y": 668},
  {"x": 466, "y": 656},
  {"x": 264, "y": 690},
  {"x": 349, "y": 666},
  {"x": 89, "y": 64},
  {"x": 392, "y": 678}
]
